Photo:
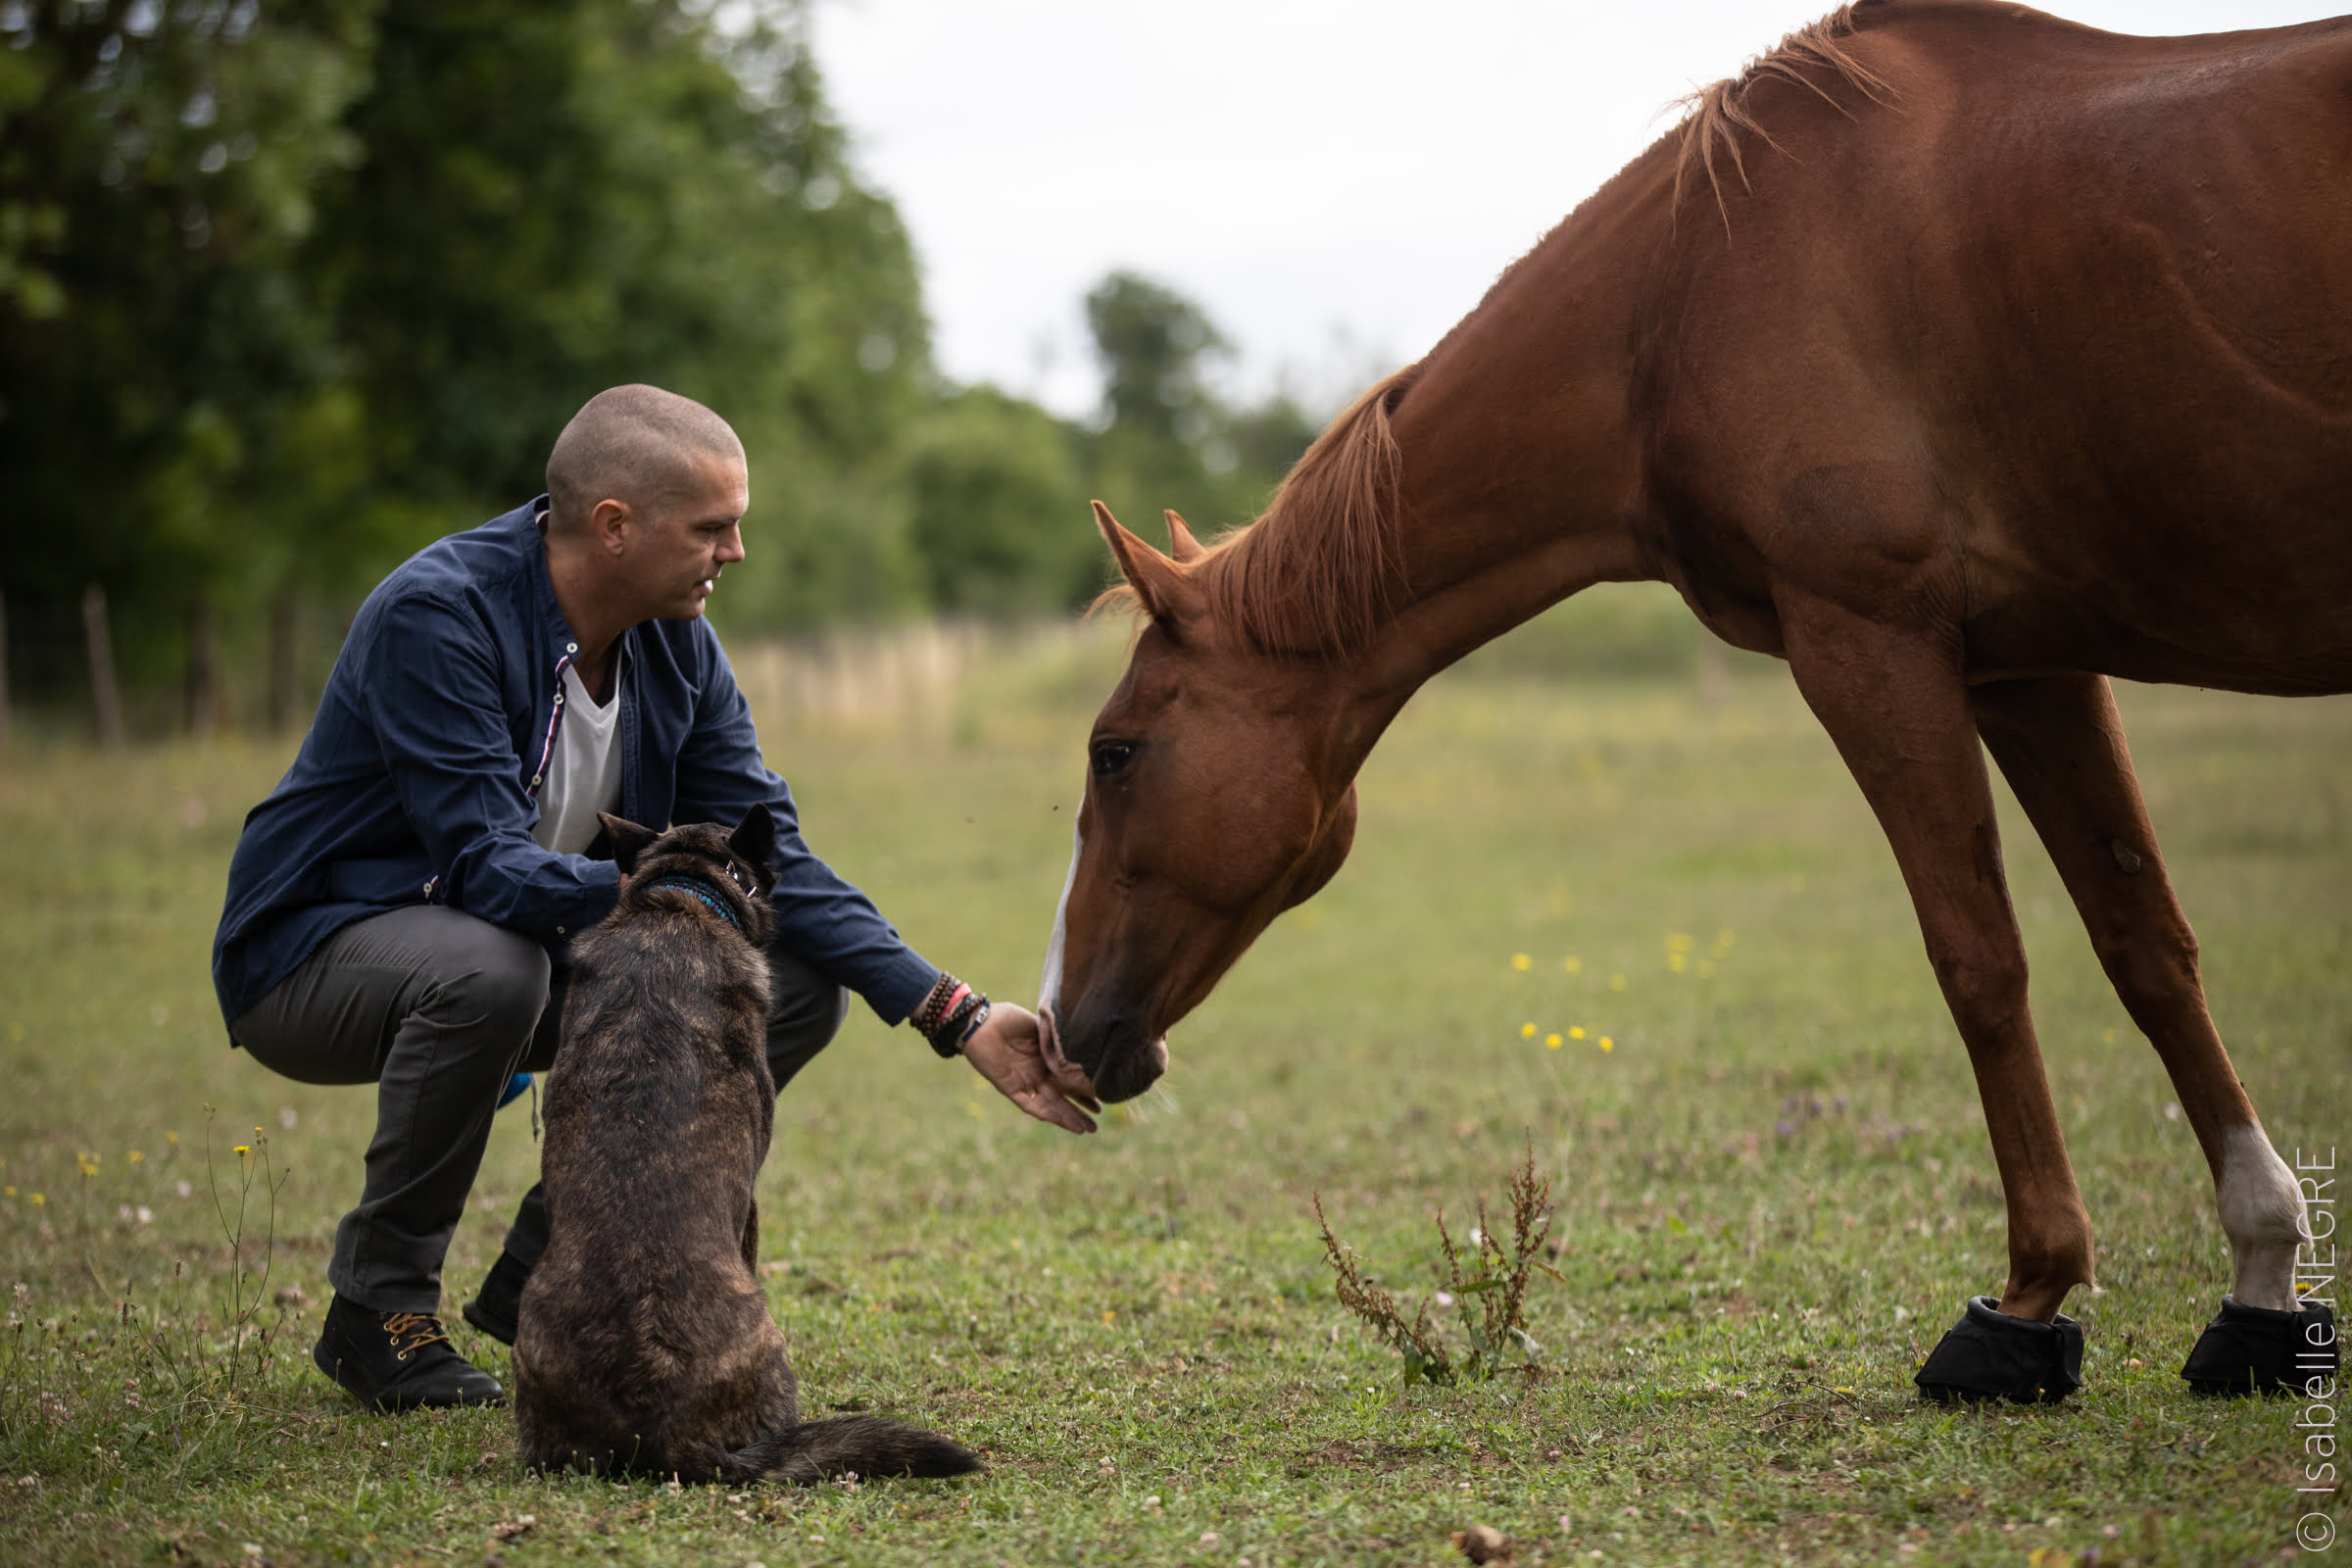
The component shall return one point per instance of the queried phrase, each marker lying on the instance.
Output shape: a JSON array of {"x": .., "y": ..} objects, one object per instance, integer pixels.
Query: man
[{"x": 399, "y": 907}]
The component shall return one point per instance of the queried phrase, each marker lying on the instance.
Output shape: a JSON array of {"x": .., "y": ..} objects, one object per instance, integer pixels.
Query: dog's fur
[{"x": 645, "y": 1345}]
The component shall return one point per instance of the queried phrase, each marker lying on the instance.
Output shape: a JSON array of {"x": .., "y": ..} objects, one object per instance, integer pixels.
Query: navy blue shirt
[{"x": 420, "y": 779}]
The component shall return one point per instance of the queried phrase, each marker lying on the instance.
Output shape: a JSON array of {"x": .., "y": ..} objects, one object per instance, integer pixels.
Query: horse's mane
[
  {"x": 1312, "y": 575},
  {"x": 1716, "y": 116}
]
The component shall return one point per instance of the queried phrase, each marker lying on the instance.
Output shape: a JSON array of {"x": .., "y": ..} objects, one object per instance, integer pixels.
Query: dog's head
[{"x": 701, "y": 861}]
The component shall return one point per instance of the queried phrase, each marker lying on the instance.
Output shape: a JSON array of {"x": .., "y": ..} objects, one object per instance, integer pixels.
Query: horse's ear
[
  {"x": 1181, "y": 544},
  {"x": 1156, "y": 580}
]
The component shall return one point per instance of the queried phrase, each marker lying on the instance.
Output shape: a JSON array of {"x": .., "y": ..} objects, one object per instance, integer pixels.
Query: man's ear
[
  {"x": 755, "y": 837},
  {"x": 609, "y": 524},
  {"x": 1168, "y": 596},
  {"x": 629, "y": 841}
]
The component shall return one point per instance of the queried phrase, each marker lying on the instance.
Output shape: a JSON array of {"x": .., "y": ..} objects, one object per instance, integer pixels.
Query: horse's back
[{"x": 2074, "y": 299}]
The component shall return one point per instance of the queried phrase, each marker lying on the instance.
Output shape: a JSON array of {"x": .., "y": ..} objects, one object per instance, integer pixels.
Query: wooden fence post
[
  {"x": 105, "y": 697},
  {"x": 1714, "y": 673},
  {"x": 203, "y": 672},
  {"x": 284, "y": 660}
]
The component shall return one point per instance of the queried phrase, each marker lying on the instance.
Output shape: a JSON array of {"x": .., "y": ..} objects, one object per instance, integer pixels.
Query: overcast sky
[{"x": 1336, "y": 181}]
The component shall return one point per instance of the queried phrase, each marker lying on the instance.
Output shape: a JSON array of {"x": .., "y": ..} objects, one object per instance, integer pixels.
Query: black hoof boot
[
  {"x": 1991, "y": 1356},
  {"x": 2255, "y": 1349}
]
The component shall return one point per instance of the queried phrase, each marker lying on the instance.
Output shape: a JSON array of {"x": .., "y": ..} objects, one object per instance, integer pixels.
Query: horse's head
[{"x": 1220, "y": 793}]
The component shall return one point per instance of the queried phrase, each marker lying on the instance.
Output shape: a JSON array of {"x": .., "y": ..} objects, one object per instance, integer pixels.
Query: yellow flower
[
  {"x": 1616, "y": 982},
  {"x": 1607, "y": 1044},
  {"x": 1522, "y": 962},
  {"x": 1109, "y": 1314},
  {"x": 38, "y": 1199},
  {"x": 8, "y": 1193},
  {"x": 1679, "y": 942},
  {"x": 134, "y": 1156},
  {"x": 1573, "y": 964},
  {"x": 244, "y": 1148},
  {"x": 1551, "y": 1042},
  {"x": 1526, "y": 1031},
  {"x": 171, "y": 1138},
  {"x": 1577, "y": 1033},
  {"x": 1678, "y": 961}
]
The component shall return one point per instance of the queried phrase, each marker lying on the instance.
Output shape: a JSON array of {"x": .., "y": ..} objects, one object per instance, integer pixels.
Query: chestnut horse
[{"x": 1960, "y": 356}]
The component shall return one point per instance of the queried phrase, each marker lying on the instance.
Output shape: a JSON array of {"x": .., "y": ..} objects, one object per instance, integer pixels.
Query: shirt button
[
  {"x": 559, "y": 699},
  {"x": 535, "y": 777},
  {"x": 559, "y": 931},
  {"x": 571, "y": 648}
]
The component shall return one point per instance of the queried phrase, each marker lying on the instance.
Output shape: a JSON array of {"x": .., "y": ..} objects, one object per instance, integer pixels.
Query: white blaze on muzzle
[{"x": 1048, "y": 986}]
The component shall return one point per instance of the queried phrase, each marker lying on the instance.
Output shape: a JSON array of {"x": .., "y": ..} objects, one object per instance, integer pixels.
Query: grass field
[{"x": 1773, "y": 1187}]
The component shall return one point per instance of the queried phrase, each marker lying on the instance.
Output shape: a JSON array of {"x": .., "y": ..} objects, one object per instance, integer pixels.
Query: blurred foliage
[{"x": 290, "y": 288}]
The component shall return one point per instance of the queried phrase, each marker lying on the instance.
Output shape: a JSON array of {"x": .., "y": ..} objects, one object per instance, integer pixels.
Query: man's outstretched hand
[{"x": 1009, "y": 1051}]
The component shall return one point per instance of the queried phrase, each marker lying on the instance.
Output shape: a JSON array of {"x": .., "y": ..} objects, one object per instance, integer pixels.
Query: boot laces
[{"x": 411, "y": 1332}]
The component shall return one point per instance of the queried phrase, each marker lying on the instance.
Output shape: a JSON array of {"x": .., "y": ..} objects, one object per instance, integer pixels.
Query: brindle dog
[{"x": 645, "y": 1345}]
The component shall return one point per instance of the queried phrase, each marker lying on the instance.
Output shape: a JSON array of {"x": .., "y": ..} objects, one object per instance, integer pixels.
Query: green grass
[{"x": 1774, "y": 1191}]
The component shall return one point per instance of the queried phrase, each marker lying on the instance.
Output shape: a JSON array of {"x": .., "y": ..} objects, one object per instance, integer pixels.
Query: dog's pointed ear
[
  {"x": 1168, "y": 597},
  {"x": 1182, "y": 545},
  {"x": 628, "y": 839},
  {"x": 755, "y": 837}
]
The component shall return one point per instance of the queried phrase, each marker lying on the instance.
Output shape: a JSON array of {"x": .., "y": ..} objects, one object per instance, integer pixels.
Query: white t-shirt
[{"x": 583, "y": 776}]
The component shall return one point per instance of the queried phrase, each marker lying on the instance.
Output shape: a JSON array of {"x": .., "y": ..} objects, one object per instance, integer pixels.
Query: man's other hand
[{"x": 1008, "y": 1050}]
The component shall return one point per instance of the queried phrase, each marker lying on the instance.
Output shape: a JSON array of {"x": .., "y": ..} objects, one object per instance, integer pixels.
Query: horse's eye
[{"x": 1111, "y": 756}]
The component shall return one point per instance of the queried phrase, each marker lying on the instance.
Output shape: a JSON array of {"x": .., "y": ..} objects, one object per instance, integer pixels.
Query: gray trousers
[{"x": 439, "y": 1009}]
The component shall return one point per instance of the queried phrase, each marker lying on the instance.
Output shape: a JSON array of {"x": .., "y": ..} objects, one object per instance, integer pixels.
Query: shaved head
[{"x": 636, "y": 444}]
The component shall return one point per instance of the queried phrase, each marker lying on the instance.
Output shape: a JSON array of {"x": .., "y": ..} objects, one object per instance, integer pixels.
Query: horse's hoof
[
  {"x": 1991, "y": 1356},
  {"x": 2256, "y": 1349}
]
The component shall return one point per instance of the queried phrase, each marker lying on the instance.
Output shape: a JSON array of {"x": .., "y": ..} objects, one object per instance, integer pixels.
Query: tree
[{"x": 160, "y": 361}]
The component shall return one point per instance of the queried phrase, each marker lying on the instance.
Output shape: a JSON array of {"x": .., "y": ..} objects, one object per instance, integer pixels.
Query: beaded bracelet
[{"x": 949, "y": 1014}]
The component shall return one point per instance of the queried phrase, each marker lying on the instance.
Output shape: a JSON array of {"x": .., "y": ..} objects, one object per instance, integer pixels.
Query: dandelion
[
  {"x": 1526, "y": 1031},
  {"x": 38, "y": 1199},
  {"x": 134, "y": 1156},
  {"x": 1678, "y": 961},
  {"x": 1573, "y": 964},
  {"x": 1575, "y": 1032},
  {"x": 171, "y": 1138},
  {"x": 244, "y": 1149},
  {"x": 1522, "y": 962},
  {"x": 1607, "y": 1044},
  {"x": 1551, "y": 1042}
]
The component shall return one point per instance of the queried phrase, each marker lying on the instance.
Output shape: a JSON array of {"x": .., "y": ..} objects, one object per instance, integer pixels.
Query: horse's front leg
[
  {"x": 2060, "y": 744},
  {"x": 1894, "y": 700}
]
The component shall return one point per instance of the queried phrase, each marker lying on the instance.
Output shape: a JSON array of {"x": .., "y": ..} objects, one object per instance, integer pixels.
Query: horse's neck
[{"x": 1520, "y": 463}]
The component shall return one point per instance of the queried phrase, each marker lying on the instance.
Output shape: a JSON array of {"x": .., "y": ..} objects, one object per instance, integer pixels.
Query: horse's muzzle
[{"x": 1112, "y": 1050}]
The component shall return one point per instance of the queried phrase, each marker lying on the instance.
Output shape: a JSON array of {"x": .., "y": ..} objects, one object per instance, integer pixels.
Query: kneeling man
[{"x": 399, "y": 907}]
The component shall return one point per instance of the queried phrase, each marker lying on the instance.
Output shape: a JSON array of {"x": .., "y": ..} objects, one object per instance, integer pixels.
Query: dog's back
[{"x": 645, "y": 1343}]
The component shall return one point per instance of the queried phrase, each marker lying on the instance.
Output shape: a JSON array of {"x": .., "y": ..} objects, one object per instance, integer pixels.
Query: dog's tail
[{"x": 864, "y": 1446}]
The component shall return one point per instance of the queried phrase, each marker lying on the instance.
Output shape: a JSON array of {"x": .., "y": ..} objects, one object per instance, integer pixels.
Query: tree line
[{"x": 290, "y": 288}]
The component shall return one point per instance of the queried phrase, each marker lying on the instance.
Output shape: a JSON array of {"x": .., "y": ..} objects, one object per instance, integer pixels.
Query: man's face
[{"x": 675, "y": 556}]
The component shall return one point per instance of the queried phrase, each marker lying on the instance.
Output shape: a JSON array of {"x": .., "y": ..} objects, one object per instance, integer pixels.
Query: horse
[{"x": 1959, "y": 356}]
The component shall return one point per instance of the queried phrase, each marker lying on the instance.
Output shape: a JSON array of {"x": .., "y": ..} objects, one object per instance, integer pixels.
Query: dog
[{"x": 644, "y": 1344}]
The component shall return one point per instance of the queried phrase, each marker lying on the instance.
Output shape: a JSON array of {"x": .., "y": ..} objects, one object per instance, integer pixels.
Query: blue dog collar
[{"x": 708, "y": 895}]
